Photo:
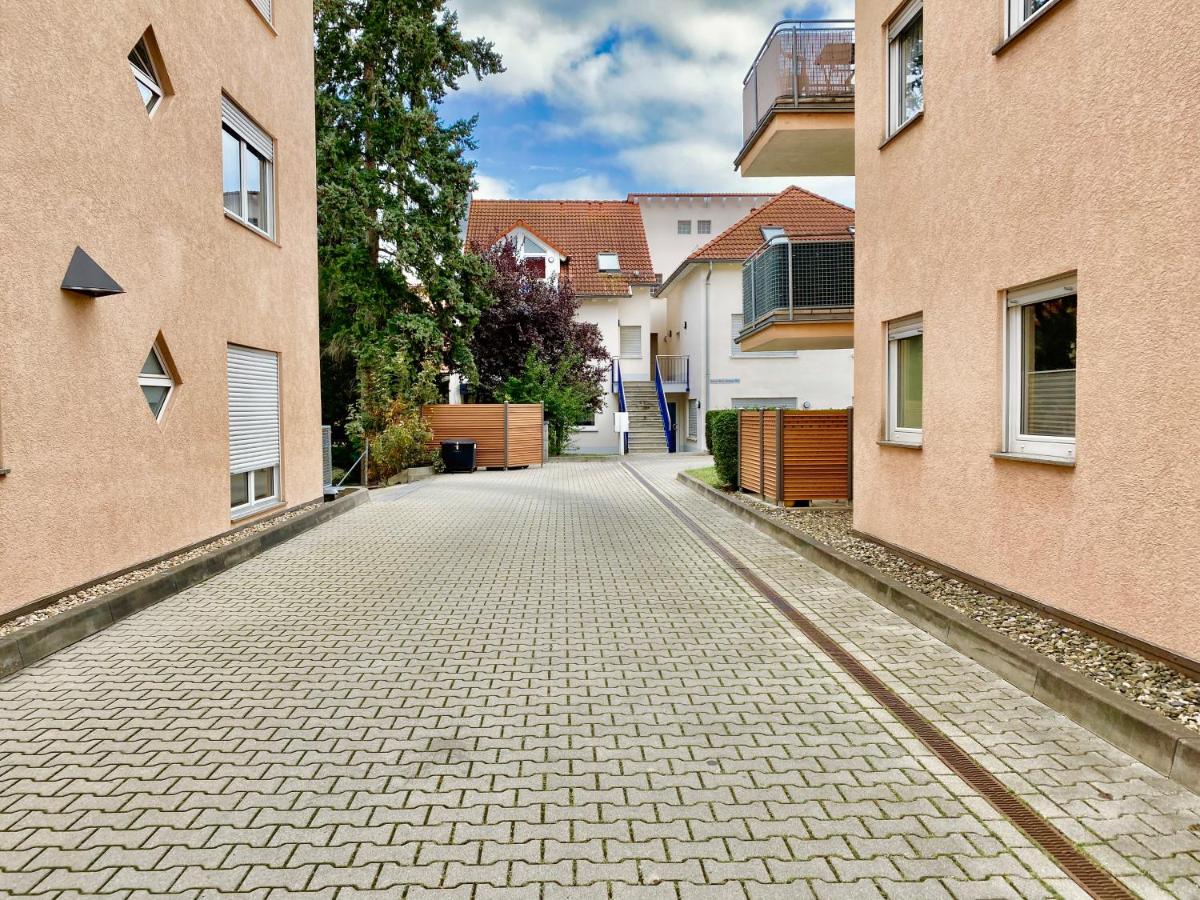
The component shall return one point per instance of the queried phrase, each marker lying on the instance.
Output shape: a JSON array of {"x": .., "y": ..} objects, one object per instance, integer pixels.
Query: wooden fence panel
[
  {"x": 484, "y": 423},
  {"x": 749, "y": 451},
  {"x": 816, "y": 455},
  {"x": 795, "y": 454}
]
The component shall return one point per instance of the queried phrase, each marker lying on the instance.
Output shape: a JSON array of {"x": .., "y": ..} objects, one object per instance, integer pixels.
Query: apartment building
[
  {"x": 706, "y": 312},
  {"x": 159, "y": 374},
  {"x": 1025, "y": 323},
  {"x": 600, "y": 247}
]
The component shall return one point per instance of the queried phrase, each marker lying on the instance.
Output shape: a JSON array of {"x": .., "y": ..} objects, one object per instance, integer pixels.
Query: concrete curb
[
  {"x": 25, "y": 647},
  {"x": 1163, "y": 745}
]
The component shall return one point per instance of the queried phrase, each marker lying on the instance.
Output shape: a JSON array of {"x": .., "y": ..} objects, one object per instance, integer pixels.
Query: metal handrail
[
  {"x": 663, "y": 411},
  {"x": 796, "y": 25},
  {"x": 618, "y": 385},
  {"x": 801, "y": 60}
]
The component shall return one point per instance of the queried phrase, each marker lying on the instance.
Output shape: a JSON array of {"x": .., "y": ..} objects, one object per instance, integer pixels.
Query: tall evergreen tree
[{"x": 393, "y": 184}]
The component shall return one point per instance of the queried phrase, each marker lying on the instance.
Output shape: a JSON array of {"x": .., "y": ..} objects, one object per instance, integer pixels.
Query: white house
[
  {"x": 704, "y": 312},
  {"x": 600, "y": 246}
]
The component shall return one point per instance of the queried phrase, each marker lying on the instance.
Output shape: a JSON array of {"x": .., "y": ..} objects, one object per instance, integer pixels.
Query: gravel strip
[
  {"x": 1149, "y": 683},
  {"x": 107, "y": 587}
]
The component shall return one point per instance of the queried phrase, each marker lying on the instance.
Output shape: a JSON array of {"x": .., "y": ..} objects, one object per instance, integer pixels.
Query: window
[
  {"x": 535, "y": 258},
  {"x": 631, "y": 341},
  {"x": 156, "y": 383},
  {"x": 535, "y": 266},
  {"x": 684, "y": 226},
  {"x": 608, "y": 262},
  {"x": 264, "y": 8},
  {"x": 587, "y": 421},
  {"x": 253, "y": 379},
  {"x": 247, "y": 155},
  {"x": 906, "y": 66},
  {"x": 693, "y": 423},
  {"x": 905, "y": 380},
  {"x": 771, "y": 233},
  {"x": 704, "y": 226},
  {"x": 737, "y": 323},
  {"x": 1040, "y": 367},
  {"x": 145, "y": 76},
  {"x": 1021, "y": 11}
]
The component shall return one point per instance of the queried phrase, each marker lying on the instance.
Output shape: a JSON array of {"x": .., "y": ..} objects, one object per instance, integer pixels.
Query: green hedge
[{"x": 721, "y": 432}]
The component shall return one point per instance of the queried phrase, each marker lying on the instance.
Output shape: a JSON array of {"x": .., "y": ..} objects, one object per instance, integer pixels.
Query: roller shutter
[{"x": 253, "y": 377}]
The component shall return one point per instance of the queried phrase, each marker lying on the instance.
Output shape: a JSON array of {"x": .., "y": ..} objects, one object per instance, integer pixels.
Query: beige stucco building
[
  {"x": 1025, "y": 324},
  {"x": 173, "y": 144}
]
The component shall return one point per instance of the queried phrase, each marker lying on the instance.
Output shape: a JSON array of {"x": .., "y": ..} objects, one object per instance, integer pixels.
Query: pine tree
[{"x": 393, "y": 186}]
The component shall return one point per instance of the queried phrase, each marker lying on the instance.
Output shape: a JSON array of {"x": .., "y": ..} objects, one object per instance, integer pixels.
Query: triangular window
[
  {"x": 533, "y": 248},
  {"x": 156, "y": 382},
  {"x": 145, "y": 76}
]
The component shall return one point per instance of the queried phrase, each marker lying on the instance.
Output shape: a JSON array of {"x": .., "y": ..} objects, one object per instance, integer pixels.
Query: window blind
[
  {"x": 253, "y": 378},
  {"x": 239, "y": 123},
  {"x": 631, "y": 340}
]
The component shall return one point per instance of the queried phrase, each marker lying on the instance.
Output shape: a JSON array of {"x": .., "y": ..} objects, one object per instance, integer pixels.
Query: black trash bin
[{"x": 458, "y": 456}]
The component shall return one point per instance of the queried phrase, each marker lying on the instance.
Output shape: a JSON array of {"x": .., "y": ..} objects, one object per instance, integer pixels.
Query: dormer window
[{"x": 608, "y": 262}]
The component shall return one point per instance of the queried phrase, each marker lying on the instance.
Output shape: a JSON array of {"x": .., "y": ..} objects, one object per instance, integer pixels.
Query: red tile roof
[
  {"x": 580, "y": 229},
  {"x": 800, "y": 213}
]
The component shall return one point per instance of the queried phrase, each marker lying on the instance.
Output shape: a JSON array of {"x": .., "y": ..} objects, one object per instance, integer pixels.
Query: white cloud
[
  {"x": 585, "y": 187},
  {"x": 657, "y": 82},
  {"x": 492, "y": 188}
]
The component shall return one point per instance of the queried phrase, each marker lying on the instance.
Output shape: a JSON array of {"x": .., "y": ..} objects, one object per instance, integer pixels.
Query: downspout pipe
[{"x": 707, "y": 348}]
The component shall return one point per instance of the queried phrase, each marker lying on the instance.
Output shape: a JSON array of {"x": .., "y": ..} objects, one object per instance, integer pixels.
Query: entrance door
[{"x": 673, "y": 412}]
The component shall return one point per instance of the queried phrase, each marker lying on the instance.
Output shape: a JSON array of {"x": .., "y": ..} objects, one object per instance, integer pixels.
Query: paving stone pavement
[{"x": 539, "y": 684}]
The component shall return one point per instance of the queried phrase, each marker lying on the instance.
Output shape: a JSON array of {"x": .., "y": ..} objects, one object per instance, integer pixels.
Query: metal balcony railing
[
  {"x": 675, "y": 371},
  {"x": 801, "y": 63},
  {"x": 801, "y": 276}
]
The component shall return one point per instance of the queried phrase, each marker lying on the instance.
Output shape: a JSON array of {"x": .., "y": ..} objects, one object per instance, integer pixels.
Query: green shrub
[{"x": 721, "y": 432}]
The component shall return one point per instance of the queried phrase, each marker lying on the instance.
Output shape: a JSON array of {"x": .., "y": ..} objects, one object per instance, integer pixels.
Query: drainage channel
[{"x": 1081, "y": 868}]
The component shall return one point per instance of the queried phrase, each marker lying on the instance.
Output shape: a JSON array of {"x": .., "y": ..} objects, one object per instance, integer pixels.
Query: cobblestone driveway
[{"x": 539, "y": 684}]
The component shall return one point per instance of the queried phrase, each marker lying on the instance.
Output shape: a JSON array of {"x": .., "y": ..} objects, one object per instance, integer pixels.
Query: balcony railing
[
  {"x": 800, "y": 64},
  {"x": 675, "y": 372},
  {"x": 805, "y": 277}
]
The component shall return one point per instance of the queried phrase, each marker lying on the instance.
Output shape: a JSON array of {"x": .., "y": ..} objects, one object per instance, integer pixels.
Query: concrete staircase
[{"x": 645, "y": 421}]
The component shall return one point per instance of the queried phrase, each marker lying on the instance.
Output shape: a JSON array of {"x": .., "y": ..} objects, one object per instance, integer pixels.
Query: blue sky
[{"x": 600, "y": 99}]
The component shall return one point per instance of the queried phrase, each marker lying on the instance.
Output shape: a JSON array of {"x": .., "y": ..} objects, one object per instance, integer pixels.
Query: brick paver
[{"x": 539, "y": 684}]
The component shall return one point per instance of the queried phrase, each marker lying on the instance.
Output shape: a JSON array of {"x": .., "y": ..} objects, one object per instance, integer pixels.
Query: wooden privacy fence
[
  {"x": 506, "y": 435},
  {"x": 785, "y": 455}
]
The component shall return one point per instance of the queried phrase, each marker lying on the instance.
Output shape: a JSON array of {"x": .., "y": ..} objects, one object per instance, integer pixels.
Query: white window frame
[
  {"x": 253, "y": 143},
  {"x": 683, "y": 226},
  {"x": 149, "y": 80},
  {"x": 1016, "y": 17},
  {"x": 167, "y": 381},
  {"x": 895, "y": 81},
  {"x": 1037, "y": 445},
  {"x": 608, "y": 262},
  {"x": 252, "y": 506},
  {"x": 591, "y": 426},
  {"x": 736, "y": 351},
  {"x": 899, "y": 330},
  {"x": 704, "y": 226}
]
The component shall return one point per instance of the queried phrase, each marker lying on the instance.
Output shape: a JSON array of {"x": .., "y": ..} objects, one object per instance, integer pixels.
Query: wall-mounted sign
[{"x": 724, "y": 381}]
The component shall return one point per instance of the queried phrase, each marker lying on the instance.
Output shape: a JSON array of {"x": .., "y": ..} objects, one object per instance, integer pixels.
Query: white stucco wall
[
  {"x": 823, "y": 378},
  {"x": 661, "y": 214},
  {"x": 610, "y": 313}
]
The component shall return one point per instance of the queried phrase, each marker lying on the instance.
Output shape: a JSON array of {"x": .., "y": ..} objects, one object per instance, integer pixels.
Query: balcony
[
  {"x": 798, "y": 102},
  {"x": 798, "y": 294}
]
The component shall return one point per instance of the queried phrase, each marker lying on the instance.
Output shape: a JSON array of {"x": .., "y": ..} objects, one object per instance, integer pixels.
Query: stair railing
[
  {"x": 663, "y": 410},
  {"x": 618, "y": 387}
]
